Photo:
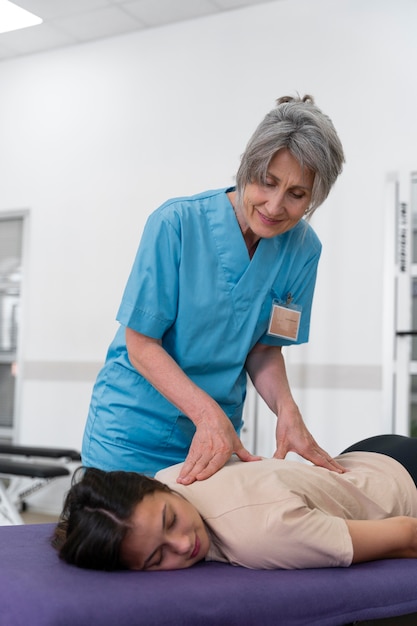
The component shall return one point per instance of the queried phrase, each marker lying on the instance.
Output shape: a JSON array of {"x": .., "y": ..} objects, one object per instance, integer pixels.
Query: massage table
[{"x": 38, "y": 589}]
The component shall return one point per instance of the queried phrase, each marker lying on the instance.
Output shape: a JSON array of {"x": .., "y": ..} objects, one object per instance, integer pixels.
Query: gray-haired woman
[{"x": 221, "y": 282}]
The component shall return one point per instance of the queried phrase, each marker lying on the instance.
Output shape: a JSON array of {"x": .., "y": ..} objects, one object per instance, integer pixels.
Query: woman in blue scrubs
[{"x": 221, "y": 281}]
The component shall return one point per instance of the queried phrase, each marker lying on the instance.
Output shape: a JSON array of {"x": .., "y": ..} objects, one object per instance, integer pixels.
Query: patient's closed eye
[{"x": 169, "y": 520}]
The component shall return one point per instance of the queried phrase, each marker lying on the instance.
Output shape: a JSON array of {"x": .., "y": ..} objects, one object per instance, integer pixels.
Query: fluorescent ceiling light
[{"x": 13, "y": 17}]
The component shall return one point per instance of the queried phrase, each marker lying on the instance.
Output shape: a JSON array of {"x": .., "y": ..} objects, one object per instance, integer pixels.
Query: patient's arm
[{"x": 394, "y": 537}]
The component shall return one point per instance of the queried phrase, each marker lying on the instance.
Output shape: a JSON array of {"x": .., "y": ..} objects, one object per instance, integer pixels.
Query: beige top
[{"x": 287, "y": 514}]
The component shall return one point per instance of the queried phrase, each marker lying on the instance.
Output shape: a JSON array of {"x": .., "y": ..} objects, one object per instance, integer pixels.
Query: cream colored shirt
[{"x": 288, "y": 514}]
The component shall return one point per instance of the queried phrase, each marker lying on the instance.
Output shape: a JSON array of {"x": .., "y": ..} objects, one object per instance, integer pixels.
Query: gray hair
[{"x": 300, "y": 126}]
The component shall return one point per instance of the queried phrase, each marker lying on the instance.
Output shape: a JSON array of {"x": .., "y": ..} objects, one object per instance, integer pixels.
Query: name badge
[{"x": 284, "y": 320}]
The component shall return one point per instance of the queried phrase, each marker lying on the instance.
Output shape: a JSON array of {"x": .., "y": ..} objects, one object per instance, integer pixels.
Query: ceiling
[{"x": 70, "y": 22}]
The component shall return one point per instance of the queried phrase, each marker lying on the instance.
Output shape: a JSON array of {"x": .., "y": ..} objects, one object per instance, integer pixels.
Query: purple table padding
[{"x": 37, "y": 589}]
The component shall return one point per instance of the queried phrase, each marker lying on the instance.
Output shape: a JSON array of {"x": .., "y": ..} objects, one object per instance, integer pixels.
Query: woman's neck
[{"x": 250, "y": 238}]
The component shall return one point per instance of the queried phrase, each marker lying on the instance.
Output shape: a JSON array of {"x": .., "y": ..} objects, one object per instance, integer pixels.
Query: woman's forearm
[
  {"x": 215, "y": 439},
  {"x": 390, "y": 538},
  {"x": 266, "y": 368},
  {"x": 152, "y": 361}
]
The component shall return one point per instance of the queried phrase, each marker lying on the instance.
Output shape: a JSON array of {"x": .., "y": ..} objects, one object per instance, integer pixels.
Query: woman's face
[
  {"x": 273, "y": 207},
  {"x": 168, "y": 533}
]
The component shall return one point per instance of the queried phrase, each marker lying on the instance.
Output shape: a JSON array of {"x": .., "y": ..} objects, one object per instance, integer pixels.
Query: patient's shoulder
[{"x": 169, "y": 474}]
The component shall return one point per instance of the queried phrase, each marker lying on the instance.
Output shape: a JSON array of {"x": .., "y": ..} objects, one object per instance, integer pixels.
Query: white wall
[{"x": 94, "y": 137}]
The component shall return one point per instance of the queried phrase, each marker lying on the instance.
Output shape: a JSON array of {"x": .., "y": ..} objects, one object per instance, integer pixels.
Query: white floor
[{"x": 32, "y": 517}]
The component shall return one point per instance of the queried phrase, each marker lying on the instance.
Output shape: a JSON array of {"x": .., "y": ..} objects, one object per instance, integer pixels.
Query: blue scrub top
[{"x": 193, "y": 286}]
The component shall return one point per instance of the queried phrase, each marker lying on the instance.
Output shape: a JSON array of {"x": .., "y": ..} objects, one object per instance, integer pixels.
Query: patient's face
[{"x": 168, "y": 533}]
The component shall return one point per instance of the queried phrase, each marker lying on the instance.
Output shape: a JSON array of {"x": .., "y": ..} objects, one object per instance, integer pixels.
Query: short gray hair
[{"x": 300, "y": 126}]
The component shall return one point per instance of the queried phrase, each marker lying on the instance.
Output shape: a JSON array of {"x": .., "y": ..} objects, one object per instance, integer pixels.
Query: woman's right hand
[{"x": 214, "y": 442}]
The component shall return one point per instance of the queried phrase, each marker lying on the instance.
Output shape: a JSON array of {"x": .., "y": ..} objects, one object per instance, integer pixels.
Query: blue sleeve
[{"x": 149, "y": 302}]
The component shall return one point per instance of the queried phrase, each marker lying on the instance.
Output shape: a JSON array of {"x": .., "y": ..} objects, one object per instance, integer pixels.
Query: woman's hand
[
  {"x": 292, "y": 435},
  {"x": 266, "y": 367},
  {"x": 213, "y": 444}
]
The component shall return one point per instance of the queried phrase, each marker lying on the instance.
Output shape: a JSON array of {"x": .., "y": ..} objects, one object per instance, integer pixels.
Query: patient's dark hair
[{"x": 96, "y": 516}]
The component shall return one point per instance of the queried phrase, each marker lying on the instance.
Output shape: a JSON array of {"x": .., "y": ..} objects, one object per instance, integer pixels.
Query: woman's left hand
[
  {"x": 266, "y": 367},
  {"x": 292, "y": 435}
]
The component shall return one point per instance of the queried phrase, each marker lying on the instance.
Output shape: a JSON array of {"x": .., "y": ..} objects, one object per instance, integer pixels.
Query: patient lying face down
[{"x": 264, "y": 514}]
